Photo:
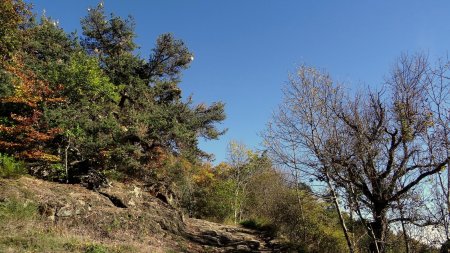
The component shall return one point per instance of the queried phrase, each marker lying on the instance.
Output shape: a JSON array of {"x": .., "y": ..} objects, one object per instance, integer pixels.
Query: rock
[
  {"x": 211, "y": 240},
  {"x": 163, "y": 192},
  {"x": 65, "y": 211},
  {"x": 226, "y": 238},
  {"x": 210, "y": 233},
  {"x": 48, "y": 211},
  {"x": 137, "y": 192},
  {"x": 116, "y": 201},
  {"x": 223, "y": 239},
  {"x": 94, "y": 180},
  {"x": 243, "y": 248}
]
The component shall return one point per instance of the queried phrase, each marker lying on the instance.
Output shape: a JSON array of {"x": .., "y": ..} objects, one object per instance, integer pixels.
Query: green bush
[
  {"x": 258, "y": 224},
  {"x": 253, "y": 224},
  {"x": 56, "y": 172},
  {"x": 10, "y": 167}
]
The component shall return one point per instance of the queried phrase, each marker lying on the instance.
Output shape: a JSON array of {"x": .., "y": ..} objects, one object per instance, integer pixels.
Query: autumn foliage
[{"x": 23, "y": 133}]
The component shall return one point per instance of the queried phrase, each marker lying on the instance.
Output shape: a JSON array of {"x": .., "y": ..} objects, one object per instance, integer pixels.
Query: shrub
[
  {"x": 10, "y": 167},
  {"x": 258, "y": 224}
]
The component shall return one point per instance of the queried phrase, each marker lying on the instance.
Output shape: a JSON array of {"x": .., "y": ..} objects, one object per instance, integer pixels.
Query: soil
[{"x": 127, "y": 216}]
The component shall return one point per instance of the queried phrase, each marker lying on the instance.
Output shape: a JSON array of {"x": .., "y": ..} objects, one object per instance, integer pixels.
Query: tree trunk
[
  {"x": 405, "y": 234},
  {"x": 66, "y": 161},
  {"x": 341, "y": 218},
  {"x": 236, "y": 203},
  {"x": 405, "y": 237},
  {"x": 379, "y": 229},
  {"x": 300, "y": 204}
]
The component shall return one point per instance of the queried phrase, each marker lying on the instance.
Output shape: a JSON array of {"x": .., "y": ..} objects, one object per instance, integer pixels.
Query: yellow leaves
[
  {"x": 55, "y": 100},
  {"x": 38, "y": 155},
  {"x": 429, "y": 123},
  {"x": 186, "y": 164},
  {"x": 222, "y": 168},
  {"x": 28, "y": 88},
  {"x": 204, "y": 175}
]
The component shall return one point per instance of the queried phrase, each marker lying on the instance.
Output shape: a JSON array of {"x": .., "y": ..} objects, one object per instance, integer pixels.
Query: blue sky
[{"x": 244, "y": 50}]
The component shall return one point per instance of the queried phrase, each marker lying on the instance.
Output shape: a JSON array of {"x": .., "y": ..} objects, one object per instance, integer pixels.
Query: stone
[
  {"x": 137, "y": 192},
  {"x": 64, "y": 211},
  {"x": 243, "y": 248}
]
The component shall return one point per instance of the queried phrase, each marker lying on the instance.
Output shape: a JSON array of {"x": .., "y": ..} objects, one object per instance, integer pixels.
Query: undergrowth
[{"x": 10, "y": 167}]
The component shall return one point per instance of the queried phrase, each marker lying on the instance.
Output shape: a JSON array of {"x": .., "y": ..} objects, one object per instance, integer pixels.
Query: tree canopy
[{"x": 89, "y": 101}]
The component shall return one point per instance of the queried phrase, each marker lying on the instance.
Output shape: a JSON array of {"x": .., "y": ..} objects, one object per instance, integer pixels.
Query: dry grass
[
  {"x": 26, "y": 226},
  {"x": 22, "y": 229}
]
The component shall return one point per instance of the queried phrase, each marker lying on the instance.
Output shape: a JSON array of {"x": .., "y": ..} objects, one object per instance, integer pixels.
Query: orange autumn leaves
[{"x": 23, "y": 132}]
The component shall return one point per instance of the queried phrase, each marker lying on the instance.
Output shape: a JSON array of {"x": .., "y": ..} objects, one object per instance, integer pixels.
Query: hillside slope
[{"x": 41, "y": 216}]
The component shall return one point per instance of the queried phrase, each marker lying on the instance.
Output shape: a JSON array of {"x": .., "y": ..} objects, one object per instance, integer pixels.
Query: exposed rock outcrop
[{"x": 124, "y": 214}]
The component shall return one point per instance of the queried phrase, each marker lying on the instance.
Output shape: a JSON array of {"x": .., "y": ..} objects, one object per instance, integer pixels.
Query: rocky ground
[
  {"x": 41, "y": 216},
  {"x": 216, "y": 237}
]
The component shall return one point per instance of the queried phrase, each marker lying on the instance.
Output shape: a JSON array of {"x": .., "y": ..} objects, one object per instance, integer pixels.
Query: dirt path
[{"x": 216, "y": 237}]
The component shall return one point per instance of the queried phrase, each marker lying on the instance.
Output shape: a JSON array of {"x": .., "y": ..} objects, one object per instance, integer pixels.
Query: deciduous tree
[
  {"x": 23, "y": 132},
  {"x": 376, "y": 146}
]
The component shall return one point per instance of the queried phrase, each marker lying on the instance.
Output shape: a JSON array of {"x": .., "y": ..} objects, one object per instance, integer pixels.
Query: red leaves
[
  {"x": 29, "y": 89},
  {"x": 25, "y": 135}
]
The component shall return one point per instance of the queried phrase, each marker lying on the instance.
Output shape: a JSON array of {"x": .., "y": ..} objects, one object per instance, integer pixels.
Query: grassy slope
[
  {"x": 41, "y": 216},
  {"x": 27, "y": 225}
]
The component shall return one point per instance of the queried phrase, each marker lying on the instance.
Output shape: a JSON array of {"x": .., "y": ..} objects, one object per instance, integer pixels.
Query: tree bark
[
  {"x": 405, "y": 234},
  {"x": 237, "y": 204},
  {"x": 66, "y": 161},
  {"x": 379, "y": 229},
  {"x": 341, "y": 218},
  {"x": 300, "y": 203}
]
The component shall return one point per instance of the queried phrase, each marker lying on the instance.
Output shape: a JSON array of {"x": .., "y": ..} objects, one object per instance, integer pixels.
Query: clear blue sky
[{"x": 244, "y": 50}]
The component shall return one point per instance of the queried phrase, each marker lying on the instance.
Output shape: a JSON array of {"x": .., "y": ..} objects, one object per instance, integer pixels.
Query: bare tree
[
  {"x": 302, "y": 125},
  {"x": 376, "y": 146},
  {"x": 439, "y": 94},
  {"x": 243, "y": 164}
]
